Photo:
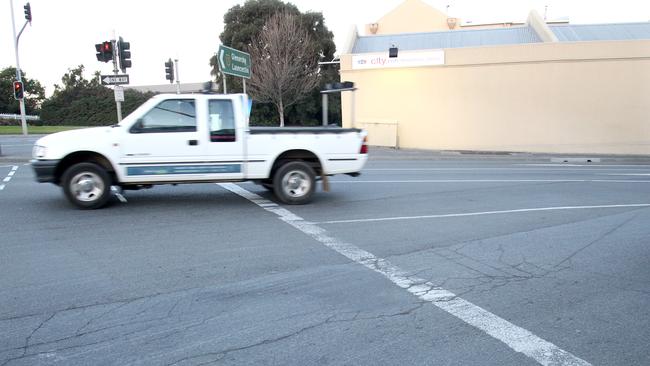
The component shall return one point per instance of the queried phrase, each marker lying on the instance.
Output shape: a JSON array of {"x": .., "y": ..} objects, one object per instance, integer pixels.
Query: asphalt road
[{"x": 432, "y": 260}]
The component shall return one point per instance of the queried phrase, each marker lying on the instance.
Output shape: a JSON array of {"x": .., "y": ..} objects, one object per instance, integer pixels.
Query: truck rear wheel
[
  {"x": 294, "y": 183},
  {"x": 86, "y": 185}
]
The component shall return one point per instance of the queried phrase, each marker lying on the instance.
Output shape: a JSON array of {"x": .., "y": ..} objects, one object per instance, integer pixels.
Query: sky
[{"x": 63, "y": 33}]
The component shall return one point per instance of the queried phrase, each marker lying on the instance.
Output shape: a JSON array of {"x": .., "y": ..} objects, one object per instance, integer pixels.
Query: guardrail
[{"x": 17, "y": 117}]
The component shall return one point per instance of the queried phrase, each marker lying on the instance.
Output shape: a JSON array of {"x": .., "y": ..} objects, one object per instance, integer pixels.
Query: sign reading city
[
  {"x": 234, "y": 62},
  {"x": 115, "y": 79},
  {"x": 405, "y": 59}
]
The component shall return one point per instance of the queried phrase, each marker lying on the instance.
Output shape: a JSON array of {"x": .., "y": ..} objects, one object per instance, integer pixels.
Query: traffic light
[
  {"x": 19, "y": 92},
  {"x": 125, "y": 54},
  {"x": 169, "y": 70},
  {"x": 104, "y": 51},
  {"x": 28, "y": 12}
]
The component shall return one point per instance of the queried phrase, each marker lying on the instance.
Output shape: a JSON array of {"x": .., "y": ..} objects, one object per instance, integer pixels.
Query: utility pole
[{"x": 28, "y": 17}]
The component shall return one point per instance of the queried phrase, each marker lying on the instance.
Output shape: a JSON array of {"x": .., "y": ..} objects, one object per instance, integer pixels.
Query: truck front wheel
[
  {"x": 294, "y": 183},
  {"x": 86, "y": 185}
]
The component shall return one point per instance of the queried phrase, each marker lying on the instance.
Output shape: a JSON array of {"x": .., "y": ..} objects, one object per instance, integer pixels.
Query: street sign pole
[
  {"x": 223, "y": 78},
  {"x": 178, "y": 82},
  {"x": 116, "y": 72},
  {"x": 325, "y": 109},
  {"x": 23, "y": 120}
]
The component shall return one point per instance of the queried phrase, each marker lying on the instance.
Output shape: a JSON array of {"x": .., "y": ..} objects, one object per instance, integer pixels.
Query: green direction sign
[{"x": 234, "y": 62}]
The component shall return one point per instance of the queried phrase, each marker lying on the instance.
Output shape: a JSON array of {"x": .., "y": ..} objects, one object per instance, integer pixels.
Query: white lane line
[
  {"x": 517, "y": 338},
  {"x": 588, "y": 165},
  {"x": 589, "y": 168},
  {"x": 634, "y": 174},
  {"x": 11, "y": 173},
  {"x": 495, "y": 181},
  {"x": 560, "y": 208}
]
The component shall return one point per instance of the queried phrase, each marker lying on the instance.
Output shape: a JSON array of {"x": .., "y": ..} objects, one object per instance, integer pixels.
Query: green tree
[
  {"x": 82, "y": 102},
  {"x": 34, "y": 93},
  {"x": 244, "y": 22}
]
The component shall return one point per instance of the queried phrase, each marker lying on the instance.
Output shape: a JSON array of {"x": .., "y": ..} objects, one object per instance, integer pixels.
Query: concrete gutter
[{"x": 386, "y": 153}]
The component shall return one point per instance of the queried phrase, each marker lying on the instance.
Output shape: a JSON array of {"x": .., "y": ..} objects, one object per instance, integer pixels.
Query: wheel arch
[
  {"x": 297, "y": 155},
  {"x": 83, "y": 157}
]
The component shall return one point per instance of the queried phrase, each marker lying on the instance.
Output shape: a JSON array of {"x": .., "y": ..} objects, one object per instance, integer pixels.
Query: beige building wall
[
  {"x": 586, "y": 97},
  {"x": 409, "y": 17}
]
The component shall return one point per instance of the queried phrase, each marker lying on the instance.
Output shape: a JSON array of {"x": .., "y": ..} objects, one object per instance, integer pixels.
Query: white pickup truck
[{"x": 195, "y": 138}]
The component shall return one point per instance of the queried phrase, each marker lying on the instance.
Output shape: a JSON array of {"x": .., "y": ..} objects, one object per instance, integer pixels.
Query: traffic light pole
[
  {"x": 116, "y": 71},
  {"x": 178, "y": 82},
  {"x": 23, "y": 120}
]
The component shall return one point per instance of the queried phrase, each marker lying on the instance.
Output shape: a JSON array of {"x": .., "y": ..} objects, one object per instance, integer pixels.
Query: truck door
[
  {"x": 225, "y": 138},
  {"x": 163, "y": 145}
]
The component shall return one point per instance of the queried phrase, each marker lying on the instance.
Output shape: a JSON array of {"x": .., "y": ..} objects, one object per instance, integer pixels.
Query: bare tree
[{"x": 284, "y": 63}]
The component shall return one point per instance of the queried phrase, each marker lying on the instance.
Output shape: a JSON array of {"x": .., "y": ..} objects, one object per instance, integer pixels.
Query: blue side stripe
[{"x": 183, "y": 169}]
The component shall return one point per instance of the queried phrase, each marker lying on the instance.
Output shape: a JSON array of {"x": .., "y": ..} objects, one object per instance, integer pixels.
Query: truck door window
[
  {"x": 222, "y": 120},
  {"x": 173, "y": 115}
]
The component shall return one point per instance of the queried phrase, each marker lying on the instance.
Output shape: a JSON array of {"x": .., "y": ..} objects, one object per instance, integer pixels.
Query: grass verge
[{"x": 36, "y": 130}]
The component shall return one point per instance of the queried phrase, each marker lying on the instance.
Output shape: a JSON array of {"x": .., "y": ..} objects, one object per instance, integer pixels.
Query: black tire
[
  {"x": 294, "y": 183},
  {"x": 86, "y": 185}
]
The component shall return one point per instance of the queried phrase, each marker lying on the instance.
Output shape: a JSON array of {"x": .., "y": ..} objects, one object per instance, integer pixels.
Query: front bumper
[{"x": 44, "y": 170}]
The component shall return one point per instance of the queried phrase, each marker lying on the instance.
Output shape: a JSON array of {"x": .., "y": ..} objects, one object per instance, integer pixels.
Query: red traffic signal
[
  {"x": 104, "y": 51},
  {"x": 19, "y": 92}
]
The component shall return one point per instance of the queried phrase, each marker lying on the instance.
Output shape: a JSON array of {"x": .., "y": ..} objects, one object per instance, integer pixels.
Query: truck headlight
[{"x": 39, "y": 151}]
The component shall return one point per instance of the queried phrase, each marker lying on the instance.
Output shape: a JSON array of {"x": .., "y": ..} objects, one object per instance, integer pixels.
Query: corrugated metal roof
[
  {"x": 447, "y": 39},
  {"x": 601, "y": 32}
]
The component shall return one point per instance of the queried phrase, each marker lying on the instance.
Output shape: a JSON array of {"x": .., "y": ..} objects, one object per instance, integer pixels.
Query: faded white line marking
[
  {"x": 495, "y": 181},
  {"x": 11, "y": 173},
  {"x": 523, "y": 169},
  {"x": 117, "y": 192},
  {"x": 588, "y": 165},
  {"x": 486, "y": 213},
  {"x": 634, "y": 174},
  {"x": 517, "y": 338}
]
